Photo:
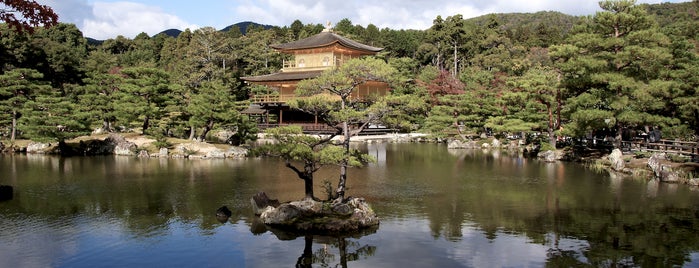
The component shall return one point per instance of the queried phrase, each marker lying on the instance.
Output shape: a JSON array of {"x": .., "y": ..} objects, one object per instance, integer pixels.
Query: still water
[{"x": 438, "y": 208}]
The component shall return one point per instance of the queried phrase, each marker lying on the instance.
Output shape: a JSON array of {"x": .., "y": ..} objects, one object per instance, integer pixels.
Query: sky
[{"x": 104, "y": 19}]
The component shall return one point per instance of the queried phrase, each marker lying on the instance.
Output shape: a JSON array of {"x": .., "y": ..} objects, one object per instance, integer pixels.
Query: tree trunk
[
  {"x": 455, "y": 72},
  {"x": 308, "y": 180},
  {"x": 106, "y": 126},
  {"x": 145, "y": 124},
  {"x": 343, "y": 167},
  {"x": 306, "y": 259},
  {"x": 551, "y": 126},
  {"x": 342, "y": 247},
  {"x": 207, "y": 128},
  {"x": 14, "y": 126},
  {"x": 192, "y": 132},
  {"x": 617, "y": 139}
]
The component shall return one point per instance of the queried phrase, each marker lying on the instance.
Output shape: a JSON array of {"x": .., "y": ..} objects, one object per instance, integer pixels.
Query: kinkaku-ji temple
[{"x": 310, "y": 57}]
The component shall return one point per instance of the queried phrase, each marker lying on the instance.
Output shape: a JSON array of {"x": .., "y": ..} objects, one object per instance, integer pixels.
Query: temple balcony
[
  {"x": 313, "y": 64},
  {"x": 272, "y": 98}
]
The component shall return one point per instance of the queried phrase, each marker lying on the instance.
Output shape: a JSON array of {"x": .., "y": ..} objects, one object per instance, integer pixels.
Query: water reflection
[
  {"x": 335, "y": 250},
  {"x": 438, "y": 208}
]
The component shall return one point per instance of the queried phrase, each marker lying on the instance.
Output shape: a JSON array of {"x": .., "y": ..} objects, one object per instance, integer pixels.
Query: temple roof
[
  {"x": 324, "y": 39},
  {"x": 283, "y": 76}
]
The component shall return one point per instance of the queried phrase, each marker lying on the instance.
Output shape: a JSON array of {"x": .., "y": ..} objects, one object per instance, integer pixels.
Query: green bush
[
  {"x": 678, "y": 158},
  {"x": 640, "y": 154}
]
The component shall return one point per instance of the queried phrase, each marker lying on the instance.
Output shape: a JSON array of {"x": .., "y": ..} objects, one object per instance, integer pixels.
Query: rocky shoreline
[
  {"x": 140, "y": 146},
  {"x": 657, "y": 166}
]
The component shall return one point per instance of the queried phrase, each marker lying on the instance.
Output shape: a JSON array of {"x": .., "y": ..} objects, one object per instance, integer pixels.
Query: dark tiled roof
[
  {"x": 283, "y": 76},
  {"x": 325, "y": 39}
]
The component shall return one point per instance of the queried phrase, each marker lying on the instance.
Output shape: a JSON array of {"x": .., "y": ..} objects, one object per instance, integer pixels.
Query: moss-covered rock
[{"x": 309, "y": 215}]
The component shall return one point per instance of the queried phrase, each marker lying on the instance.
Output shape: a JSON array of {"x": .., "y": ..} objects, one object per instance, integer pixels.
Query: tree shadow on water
[{"x": 333, "y": 249}]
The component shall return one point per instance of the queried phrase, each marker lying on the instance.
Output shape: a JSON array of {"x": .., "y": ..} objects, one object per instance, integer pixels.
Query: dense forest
[{"x": 627, "y": 68}]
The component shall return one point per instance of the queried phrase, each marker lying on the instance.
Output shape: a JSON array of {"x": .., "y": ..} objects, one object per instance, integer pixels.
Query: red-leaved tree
[{"x": 26, "y": 14}]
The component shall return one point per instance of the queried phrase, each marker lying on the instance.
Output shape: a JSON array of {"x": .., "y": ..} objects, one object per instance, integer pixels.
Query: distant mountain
[
  {"x": 94, "y": 42},
  {"x": 171, "y": 32},
  {"x": 243, "y": 26}
]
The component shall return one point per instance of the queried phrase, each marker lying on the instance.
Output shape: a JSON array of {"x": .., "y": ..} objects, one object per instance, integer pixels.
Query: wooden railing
[
  {"x": 669, "y": 146},
  {"x": 283, "y": 98},
  {"x": 272, "y": 98},
  {"x": 665, "y": 146},
  {"x": 308, "y": 128}
]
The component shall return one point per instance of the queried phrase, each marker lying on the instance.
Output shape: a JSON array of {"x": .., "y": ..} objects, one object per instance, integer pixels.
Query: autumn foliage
[{"x": 27, "y": 14}]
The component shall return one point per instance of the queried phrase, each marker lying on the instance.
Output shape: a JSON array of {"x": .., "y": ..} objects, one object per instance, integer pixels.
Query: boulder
[
  {"x": 496, "y": 143},
  {"x": 215, "y": 154},
  {"x": 223, "y": 213},
  {"x": 143, "y": 154},
  {"x": 668, "y": 175},
  {"x": 236, "y": 152},
  {"x": 6, "y": 192},
  {"x": 654, "y": 163},
  {"x": 549, "y": 156},
  {"x": 260, "y": 202},
  {"x": 163, "y": 152},
  {"x": 662, "y": 172},
  {"x": 121, "y": 145},
  {"x": 38, "y": 148},
  {"x": 693, "y": 182},
  {"x": 616, "y": 159},
  {"x": 456, "y": 144},
  {"x": 309, "y": 215}
]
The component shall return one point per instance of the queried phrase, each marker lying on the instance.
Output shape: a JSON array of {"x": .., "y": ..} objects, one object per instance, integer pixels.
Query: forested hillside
[{"x": 629, "y": 67}]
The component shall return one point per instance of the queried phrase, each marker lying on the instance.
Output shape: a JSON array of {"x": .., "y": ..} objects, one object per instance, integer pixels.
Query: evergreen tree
[
  {"x": 17, "y": 87},
  {"x": 312, "y": 152},
  {"x": 51, "y": 116},
  {"x": 339, "y": 108},
  {"x": 101, "y": 98},
  {"x": 213, "y": 104},
  {"x": 610, "y": 71},
  {"x": 146, "y": 92}
]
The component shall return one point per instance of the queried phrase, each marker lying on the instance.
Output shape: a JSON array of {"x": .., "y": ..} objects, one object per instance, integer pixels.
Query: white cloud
[
  {"x": 70, "y": 11},
  {"x": 401, "y": 14},
  {"x": 129, "y": 19},
  {"x": 104, "y": 20}
]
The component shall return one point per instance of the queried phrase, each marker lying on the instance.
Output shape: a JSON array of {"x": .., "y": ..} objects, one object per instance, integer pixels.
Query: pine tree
[
  {"x": 51, "y": 116},
  {"x": 146, "y": 92},
  {"x": 610, "y": 70},
  {"x": 17, "y": 87}
]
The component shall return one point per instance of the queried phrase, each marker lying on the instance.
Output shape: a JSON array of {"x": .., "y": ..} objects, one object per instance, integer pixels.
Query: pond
[{"x": 438, "y": 208}]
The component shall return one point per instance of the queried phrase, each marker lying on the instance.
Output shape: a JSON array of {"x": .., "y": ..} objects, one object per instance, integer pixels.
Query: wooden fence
[{"x": 688, "y": 148}]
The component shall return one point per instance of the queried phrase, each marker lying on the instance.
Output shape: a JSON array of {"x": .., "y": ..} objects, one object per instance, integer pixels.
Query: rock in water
[
  {"x": 260, "y": 202},
  {"x": 223, "y": 213},
  {"x": 321, "y": 217},
  {"x": 616, "y": 159},
  {"x": 6, "y": 192}
]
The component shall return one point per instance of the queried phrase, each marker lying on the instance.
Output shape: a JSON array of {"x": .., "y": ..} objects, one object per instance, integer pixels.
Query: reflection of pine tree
[{"x": 348, "y": 250}]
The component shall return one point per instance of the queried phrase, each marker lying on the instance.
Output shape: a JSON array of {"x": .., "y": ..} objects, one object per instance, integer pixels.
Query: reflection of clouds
[
  {"x": 475, "y": 250},
  {"x": 34, "y": 242},
  {"x": 408, "y": 243}
]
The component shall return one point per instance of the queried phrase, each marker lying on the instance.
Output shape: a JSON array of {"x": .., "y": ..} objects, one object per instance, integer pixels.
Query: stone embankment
[{"x": 115, "y": 144}]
